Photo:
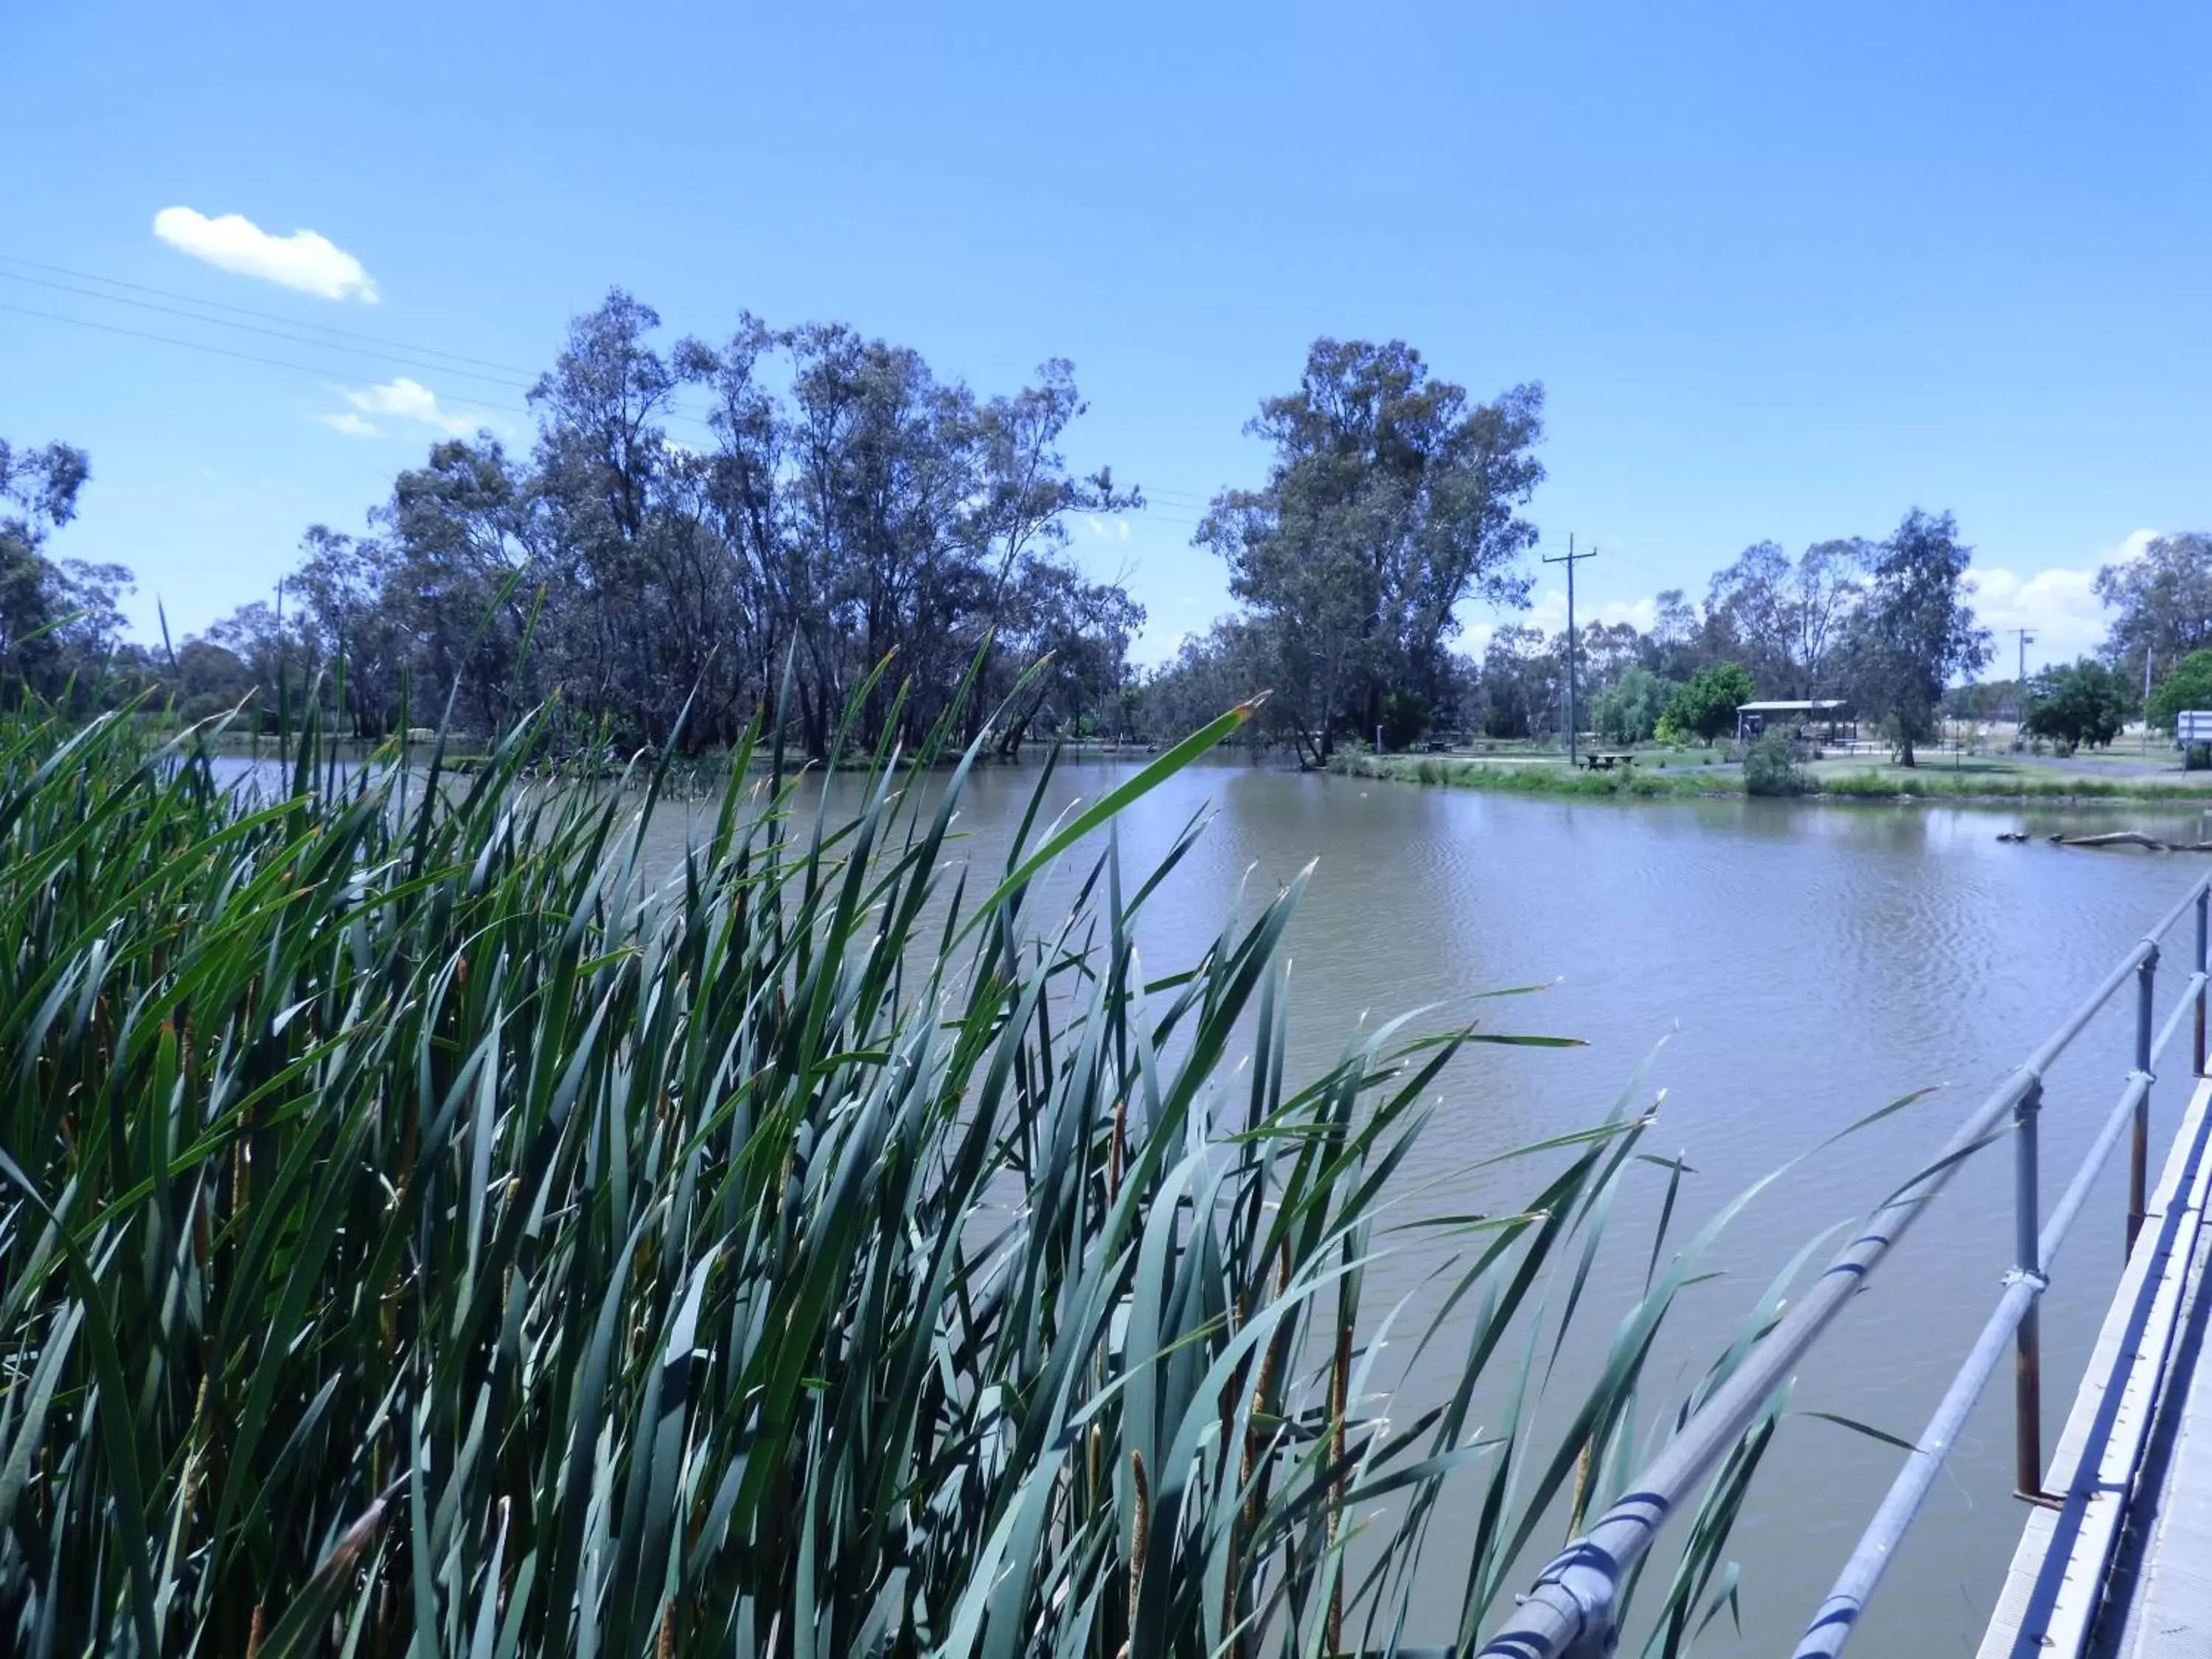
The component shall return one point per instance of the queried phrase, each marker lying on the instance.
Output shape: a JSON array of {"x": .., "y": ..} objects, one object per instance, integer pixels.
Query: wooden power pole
[{"x": 1570, "y": 558}]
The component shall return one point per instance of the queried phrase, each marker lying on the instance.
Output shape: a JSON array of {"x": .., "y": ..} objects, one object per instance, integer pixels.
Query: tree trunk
[{"x": 1904, "y": 750}]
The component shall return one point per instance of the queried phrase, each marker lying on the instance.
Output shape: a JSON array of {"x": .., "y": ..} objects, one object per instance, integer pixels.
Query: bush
[
  {"x": 1630, "y": 711},
  {"x": 1705, "y": 708},
  {"x": 1405, "y": 717},
  {"x": 2188, "y": 686},
  {"x": 1769, "y": 766},
  {"x": 2085, "y": 702}
]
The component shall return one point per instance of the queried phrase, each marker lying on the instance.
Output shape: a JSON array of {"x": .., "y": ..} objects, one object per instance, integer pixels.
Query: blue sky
[{"x": 1784, "y": 269}]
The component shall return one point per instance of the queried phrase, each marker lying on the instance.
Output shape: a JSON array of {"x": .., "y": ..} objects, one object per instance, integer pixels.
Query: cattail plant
[{"x": 423, "y": 1233}]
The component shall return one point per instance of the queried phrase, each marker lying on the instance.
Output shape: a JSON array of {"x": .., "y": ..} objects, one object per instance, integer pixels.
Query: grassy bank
[
  {"x": 1841, "y": 780},
  {"x": 418, "y": 1236}
]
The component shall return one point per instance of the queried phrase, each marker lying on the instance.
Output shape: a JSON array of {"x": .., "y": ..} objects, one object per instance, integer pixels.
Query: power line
[
  {"x": 674, "y": 411},
  {"x": 249, "y": 311},
  {"x": 322, "y": 373},
  {"x": 326, "y": 372},
  {"x": 225, "y": 351},
  {"x": 275, "y": 334},
  {"x": 1177, "y": 501}
]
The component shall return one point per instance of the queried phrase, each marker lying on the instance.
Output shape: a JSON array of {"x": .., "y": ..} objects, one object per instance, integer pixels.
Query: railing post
[
  {"x": 2027, "y": 1341},
  {"x": 2139, "y": 1141},
  {"x": 2203, "y": 914}
]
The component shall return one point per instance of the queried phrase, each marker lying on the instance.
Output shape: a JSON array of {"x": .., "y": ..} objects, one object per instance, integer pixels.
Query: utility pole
[
  {"x": 1570, "y": 558},
  {"x": 2019, "y": 698}
]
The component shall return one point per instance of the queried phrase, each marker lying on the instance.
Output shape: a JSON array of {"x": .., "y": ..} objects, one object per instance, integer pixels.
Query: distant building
[{"x": 1822, "y": 720}]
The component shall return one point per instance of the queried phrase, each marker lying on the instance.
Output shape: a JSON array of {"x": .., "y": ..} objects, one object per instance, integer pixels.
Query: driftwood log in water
[{"x": 2115, "y": 838}]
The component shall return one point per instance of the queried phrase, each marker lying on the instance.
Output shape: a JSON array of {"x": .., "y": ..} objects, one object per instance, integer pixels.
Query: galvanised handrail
[{"x": 1571, "y": 1612}]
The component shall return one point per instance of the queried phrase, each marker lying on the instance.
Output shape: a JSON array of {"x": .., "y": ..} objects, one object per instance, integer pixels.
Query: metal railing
[{"x": 1571, "y": 1612}]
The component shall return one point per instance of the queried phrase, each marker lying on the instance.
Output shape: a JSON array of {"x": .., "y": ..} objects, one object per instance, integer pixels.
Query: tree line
[
  {"x": 1375, "y": 524},
  {"x": 856, "y": 530},
  {"x": 1352, "y": 565}
]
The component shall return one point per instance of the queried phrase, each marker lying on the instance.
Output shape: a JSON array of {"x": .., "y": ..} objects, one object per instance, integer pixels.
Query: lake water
[
  {"x": 1794, "y": 967},
  {"x": 1784, "y": 969}
]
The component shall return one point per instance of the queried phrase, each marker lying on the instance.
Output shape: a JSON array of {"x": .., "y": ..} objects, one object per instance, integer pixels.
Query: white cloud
[
  {"x": 303, "y": 260},
  {"x": 2058, "y": 606},
  {"x": 403, "y": 400},
  {"x": 351, "y": 424}
]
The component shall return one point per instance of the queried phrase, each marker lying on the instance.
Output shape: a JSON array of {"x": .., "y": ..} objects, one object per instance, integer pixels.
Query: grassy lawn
[{"x": 1665, "y": 773}]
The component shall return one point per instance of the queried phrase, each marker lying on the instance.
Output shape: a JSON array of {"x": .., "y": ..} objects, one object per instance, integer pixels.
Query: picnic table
[{"x": 1601, "y": 762}]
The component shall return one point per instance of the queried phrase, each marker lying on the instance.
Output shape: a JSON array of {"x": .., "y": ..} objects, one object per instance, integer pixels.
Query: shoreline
[{"x": 1722, "y": 782}]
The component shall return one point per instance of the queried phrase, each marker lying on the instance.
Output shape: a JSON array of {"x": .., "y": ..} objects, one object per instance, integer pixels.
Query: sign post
[{"x": 2191, "y": 726}]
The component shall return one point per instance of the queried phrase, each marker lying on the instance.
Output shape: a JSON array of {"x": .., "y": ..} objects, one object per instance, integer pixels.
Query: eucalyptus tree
[
  {"x": 603, "y": 462},
  {"x": 1675, "y": 641},
  {"x": 920, "y": 525},
  {"x": 1605, "y": 652},
  {"x": 2164, "y": 599},
  {"x": 1522, "y": 675},
  {"x": 852, "y": 508},
  {"x": 1391, "y": 499},
  {"x": 1780, "y": 618},
  {"x": 1826, "y": 590},
  {"x": 470, "y": 560},
  {"x": 745, "y": 496},
  {"x": 38, "y": 490},
  {"x": 1916, "y": 632},
  {"x": 1232, "y": 663},
  {"x": 1749, "y": 617},
  {"x": 339, "y": 585},
  {"x": 1018, "y": 527},
  {"x": 1075, "y": 634},
  {"x": 885, "y": 474}
]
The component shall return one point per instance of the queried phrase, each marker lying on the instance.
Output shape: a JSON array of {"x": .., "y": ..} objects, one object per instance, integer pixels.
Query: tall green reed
[{"x": 420, "y": 1234}]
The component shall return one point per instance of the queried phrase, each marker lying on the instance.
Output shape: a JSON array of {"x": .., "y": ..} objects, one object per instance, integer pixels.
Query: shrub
[
  {"x": 2188, "y": 685},
  {"x": 1405, "y": 718},
  {"x": 1769, "y": 766},
  {"x": 1705, "y": 708},
  {"x": 1629, "y": 710},
  {"x": 2084, "y": 703}
]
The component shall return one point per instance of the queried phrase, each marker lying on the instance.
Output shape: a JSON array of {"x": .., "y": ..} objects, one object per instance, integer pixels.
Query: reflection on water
[{"x": 1785, "y": 968}]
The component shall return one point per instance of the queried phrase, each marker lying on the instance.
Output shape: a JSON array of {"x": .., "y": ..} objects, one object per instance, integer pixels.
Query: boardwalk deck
[
  {"x": 2159, "y": 1604},
  {"x": 2122, "y": 1567}
]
